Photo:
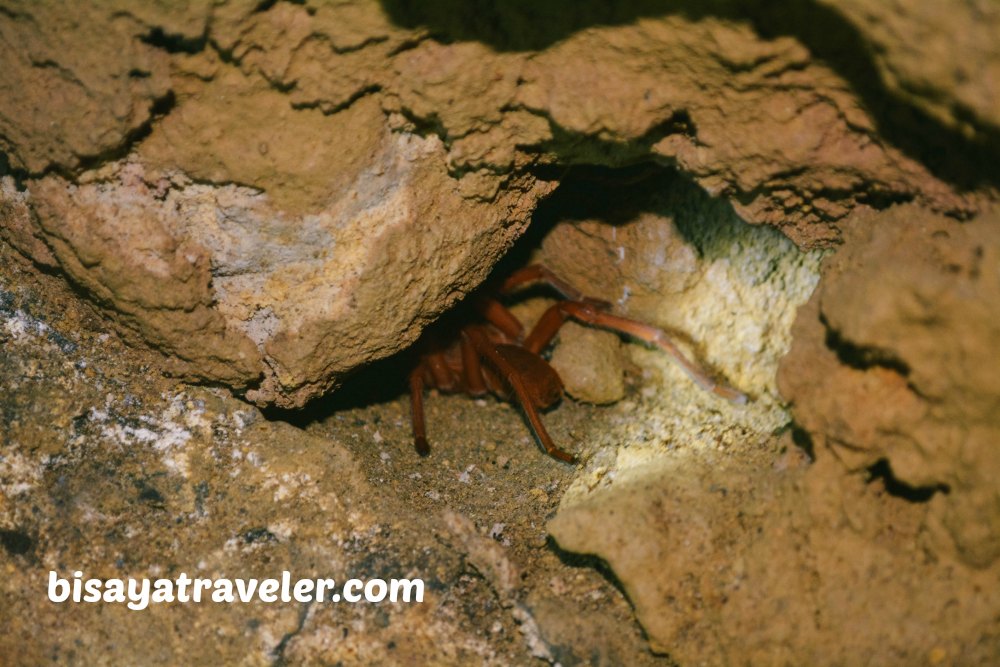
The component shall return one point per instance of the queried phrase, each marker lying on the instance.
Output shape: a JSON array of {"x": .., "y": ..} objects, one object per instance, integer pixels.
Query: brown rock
[
  {"x": 913, "y": 44},
  {"x": 894, "y": 359},
  {"x": 730, "y": 565},
  {"x": 345, "y": 177}
]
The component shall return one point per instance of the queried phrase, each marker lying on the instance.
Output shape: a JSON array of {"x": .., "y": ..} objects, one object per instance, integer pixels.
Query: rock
[
  {"x": 894, "y": 360},
  {"x": 590, "y": 364},
  {"x": 954, "y": 81},
  {"x": 734, "y": 565},
  {"x": 663, "y": 252},
  {"x": 318, "y": 183}
]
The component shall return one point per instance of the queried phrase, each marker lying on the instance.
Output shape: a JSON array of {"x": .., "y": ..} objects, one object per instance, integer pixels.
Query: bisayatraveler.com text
[{"x": 140, "y": 593}]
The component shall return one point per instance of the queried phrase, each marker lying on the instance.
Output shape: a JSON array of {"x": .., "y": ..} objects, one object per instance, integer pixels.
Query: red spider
[{"x": 513, "y": 362}]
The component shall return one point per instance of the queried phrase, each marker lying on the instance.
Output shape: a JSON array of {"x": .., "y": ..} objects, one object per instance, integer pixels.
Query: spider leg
[
  {"x": 472, "y": 369},
  {"x": 499, "y": 316},
  {"x": 444, "y": 378},
  {"x": 417, "y": 410},
  {"x": 539, "y": 273},
  {"x": 488, "y": 350},
  {"x": 585, "y": 312}
]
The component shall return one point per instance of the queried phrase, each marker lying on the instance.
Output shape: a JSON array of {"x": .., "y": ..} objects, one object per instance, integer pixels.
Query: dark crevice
[
  {"x": 377, "y": 382},
  {"x": 342, "y": 50},
  {"x": 589, "y": 561},
  {"x": 328, "y": 109},
  {"x": 575, "y": 560},
  {"x": 430, "y": 126},
  {"x": 161, "y": 107},
  {"x": 862, "y": 357},
  {"x": 882, "y": 471},
  {"x": 20, "y": 176},
  {"x": 279, "y": 650},
  {"x": 584, "y": 149},
  {"x": 265, "y": 5},
  {"x": 158, "y": 109},
  {"x": 803, "y": 441},
  {"x": 175, "y": 43}
]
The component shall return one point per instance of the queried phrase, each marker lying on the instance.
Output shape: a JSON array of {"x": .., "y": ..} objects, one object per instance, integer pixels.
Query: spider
[{"x": 494, "y": 355}]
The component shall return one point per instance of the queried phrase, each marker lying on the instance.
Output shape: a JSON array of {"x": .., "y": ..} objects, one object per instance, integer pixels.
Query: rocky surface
[
  {"x": 951, "y": 80},
  {"x": 894, "y": 362},
  {"x": 315, "y": 183},
  {"x": 274, "y": 198}
]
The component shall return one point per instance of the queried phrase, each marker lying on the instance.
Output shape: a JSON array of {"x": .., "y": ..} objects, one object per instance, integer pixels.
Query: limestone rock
[
  {"x": 957, "y": 81},
  {"x": 894, "y": 359},
  {"x": 328, "y": 179},
  {"x": 734, "y": 565}
]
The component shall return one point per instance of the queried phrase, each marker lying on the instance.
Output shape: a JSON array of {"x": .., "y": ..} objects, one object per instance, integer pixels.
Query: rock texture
[
  {"x": 955, "y": 81},
  {"x": 777, "y": 565},
  {"x": 317, "y": 182},
  {"x": 894, "y": 361},
  {"x": 274, "y": 195},
  {"x": 730, "y": 554}
]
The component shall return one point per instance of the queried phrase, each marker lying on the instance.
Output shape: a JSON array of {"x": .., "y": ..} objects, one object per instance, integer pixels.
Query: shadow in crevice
[
  {"x": 589, "y": 561},
  {"x": 531, "y": 25},
  {"x": 861, "y": 357},
  {"x": 618, "y": 196},
  {"x": 894, "y": 486},
  {"x": 380, "y": 381}
]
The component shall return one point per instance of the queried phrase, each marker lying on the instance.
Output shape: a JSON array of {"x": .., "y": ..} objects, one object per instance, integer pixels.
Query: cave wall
[{"x": 312, "y": 183}]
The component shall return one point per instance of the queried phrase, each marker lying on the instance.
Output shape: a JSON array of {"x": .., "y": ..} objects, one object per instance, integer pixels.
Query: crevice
[
  {"x": 343, "y": 50},
  {"x": 19, "y": 176},
  {"x": 279, "y": 651},
  {"x": 590, "y": 561},
  {"x": 862, "y": 357},
  {"x": 328, "y": 109},
  {"x": 803, "y": 441},
  {"x": 160, "y": 107},
  {"x": 894, "y": 486},
  {"x": 174, "y": 42},
  {"x": 573, "y": 148},
  {"x": 431, "y": 126}
]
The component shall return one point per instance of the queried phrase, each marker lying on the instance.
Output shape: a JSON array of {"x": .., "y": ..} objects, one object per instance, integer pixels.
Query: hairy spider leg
[
  {"x": 417, "y": 410},
  {"x": 444, "y": 378},
  {"x": 472, "y": 369},
  {"x": 489, "y": 351},
  {"x": 553, "y": 319},
  {"x": 433, "y": 370}
]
